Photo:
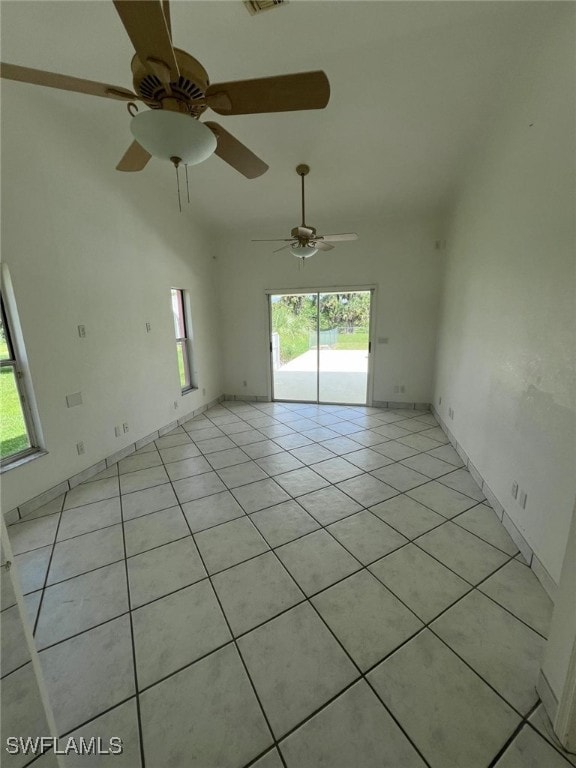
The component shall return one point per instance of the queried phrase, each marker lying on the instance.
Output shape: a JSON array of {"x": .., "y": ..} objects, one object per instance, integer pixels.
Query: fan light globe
[
  {"x": 303, "y": 251},
  {"x": 172, "y": 134}
]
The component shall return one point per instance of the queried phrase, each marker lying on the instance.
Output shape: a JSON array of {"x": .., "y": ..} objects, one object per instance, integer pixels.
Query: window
[
  {"x": 182, "y": 330},
  {"x": 17, "y": 434}
]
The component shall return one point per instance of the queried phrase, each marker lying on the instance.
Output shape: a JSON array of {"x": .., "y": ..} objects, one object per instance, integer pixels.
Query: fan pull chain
[
  {"x": 187, "y": 187},
  {"x": 178, "y": 185},
  {"x": 176, "y": 161}
]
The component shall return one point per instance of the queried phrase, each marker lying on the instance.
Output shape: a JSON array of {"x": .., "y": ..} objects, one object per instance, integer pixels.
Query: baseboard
[
  {"x": 396, "y": 405},
  {"x": 375, "y": 403},
  {"x": 248, "y": 398},
  {"x": 532, "y": 560},
  {"x": 547, "y": 695},
  {"x": 31, "y": 505}
]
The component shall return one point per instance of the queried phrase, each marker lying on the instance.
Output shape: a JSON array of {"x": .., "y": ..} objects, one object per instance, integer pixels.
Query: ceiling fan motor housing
[
  {"x": 297, "y": 233},
  {"x": 187, "y": 92}
]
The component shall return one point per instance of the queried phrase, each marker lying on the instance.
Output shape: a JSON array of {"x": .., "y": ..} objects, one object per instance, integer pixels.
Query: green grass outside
[
  {"x": 357, "y": 340},
  {"x": 181, "y": 371},
  {"x": 297, "y": 344},
  {"x": 13, "y": 434}
]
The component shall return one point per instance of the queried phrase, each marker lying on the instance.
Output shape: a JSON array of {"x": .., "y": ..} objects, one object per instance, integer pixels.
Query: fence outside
[{"x": 327, "y": 338}]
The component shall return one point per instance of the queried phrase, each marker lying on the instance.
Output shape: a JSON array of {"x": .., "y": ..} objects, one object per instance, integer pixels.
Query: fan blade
[
  {"x": 63, "y": 82},
  {"x": 283, "y": 93},
  {"x": 147, "y": 28},
  {"x": 236, "y": 154},
  {"x": 322, "y": 246},
  {"x": 339, "y": 238},
  {"x": 134, "y": 159},
  {"x": 281, "y": 249},
  {"x": 275, "y": 240},
  {"x": 166, "y": 9}
]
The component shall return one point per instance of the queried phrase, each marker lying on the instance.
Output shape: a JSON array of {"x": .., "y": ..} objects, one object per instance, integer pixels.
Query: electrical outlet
[
  {"x": 82, "y": 331},
  {"x": 175, "y": 404},
  {"x": 523, "y": 499},
  {"x": 402, "y": 388},
  {"x": 80, "y": 448},
  {"x": 74, "y": 399},
  {"x": 244, "y": 383},
  {"x": 148, "y": 327},
  {"x": 514, "y": 490},
  {"x": 125, "y": 427},
  {"x": 117, "y": 431},
  {"x": 451, "y": 413},
  {"x": 439, "y": 401}
]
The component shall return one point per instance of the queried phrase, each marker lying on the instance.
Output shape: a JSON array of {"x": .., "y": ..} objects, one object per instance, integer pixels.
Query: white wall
[
  {"x": 559, "y": 663},
  {"x": 87, "y": 245},
  {"x": 507, "y": 339},
  {"x": 396, "y": 255}
]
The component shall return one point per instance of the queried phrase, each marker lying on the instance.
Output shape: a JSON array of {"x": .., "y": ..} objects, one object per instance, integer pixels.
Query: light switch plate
[{"x": 74, "y": 399}]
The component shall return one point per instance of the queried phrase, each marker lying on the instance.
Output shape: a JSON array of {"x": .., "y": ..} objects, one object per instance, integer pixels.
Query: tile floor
[{"x": 288, "y": 585}]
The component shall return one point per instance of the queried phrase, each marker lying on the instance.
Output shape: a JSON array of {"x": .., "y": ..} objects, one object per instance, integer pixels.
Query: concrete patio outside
[{"x": 343, "y": 377}]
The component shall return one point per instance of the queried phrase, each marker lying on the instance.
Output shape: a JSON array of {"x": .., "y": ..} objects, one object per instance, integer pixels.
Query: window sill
[
  {"x": 187, "y": 391},
  {"x": 34, "y": 454}
]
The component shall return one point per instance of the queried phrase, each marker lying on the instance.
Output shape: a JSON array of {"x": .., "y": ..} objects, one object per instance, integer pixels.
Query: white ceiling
[{"x": 414, "y": 87}]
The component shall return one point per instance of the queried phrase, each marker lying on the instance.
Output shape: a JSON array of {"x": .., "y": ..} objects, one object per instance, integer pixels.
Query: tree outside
[{"x": 294, "y": 320}]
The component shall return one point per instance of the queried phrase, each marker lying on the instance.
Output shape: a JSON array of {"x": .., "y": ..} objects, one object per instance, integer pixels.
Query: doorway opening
[{"x": 320, "y": 346}]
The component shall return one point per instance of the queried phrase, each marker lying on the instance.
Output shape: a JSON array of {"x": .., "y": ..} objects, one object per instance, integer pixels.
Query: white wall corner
[{"x": 544, "y": 578}]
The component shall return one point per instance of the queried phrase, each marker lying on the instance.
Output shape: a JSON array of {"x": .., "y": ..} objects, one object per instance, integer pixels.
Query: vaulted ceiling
[{"x": 415, "y": 86}]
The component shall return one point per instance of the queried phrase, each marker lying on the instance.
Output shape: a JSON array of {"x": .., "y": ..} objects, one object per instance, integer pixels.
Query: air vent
[{"x": 258, "y": 6}]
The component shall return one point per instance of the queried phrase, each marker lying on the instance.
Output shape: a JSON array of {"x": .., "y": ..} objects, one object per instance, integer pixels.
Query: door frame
[{"x": 372, "y": 288}]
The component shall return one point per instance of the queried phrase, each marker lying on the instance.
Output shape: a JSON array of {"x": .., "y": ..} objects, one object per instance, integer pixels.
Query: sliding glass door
[
  {"x": 294, "y": 324},
  {"x": 320, "y": 346}
]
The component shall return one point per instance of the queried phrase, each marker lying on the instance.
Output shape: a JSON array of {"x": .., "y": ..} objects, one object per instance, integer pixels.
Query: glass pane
[
  {"x": 178, "y": 312},
  {"x": 344, "y": 336},
  {"x": 13, "y": 432},
  {"x": 4, "y": 351},
  {"x": 183, "y": 366},
  {"x": 294, "y": 346}
]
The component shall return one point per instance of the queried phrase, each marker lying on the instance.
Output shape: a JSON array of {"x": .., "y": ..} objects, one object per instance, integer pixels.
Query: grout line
[
  {"x": 560, "y": 751},
  {"x": 132, "y": 640},
  {"x": 39, "y": 609},
  {"x": 362, "y": 674},
  {"x": 475, "y": 671},
  {"x": 306, "y": 598},
  {"x": 516, "y": 731},
  {"x": 100, "y": 714},
  {"x": 232, "y": 634}
]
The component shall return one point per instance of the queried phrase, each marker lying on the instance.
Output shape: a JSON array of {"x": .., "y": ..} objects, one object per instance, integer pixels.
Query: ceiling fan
[
  {"x": 176, "y": 88},
  {"x": 304, "y": 241}
]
